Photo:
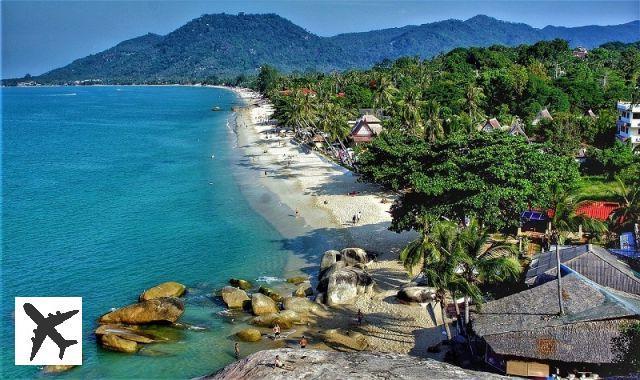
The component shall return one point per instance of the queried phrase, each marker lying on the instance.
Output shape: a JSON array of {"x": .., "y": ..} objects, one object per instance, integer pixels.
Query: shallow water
[{"x": 109, "y": 190}]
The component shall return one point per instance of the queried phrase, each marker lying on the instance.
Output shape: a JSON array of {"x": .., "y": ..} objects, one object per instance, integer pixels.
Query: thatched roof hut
[
  {"x": 544, "y": 114},
  {"x": 527, "y": 325},
  {"x": 593, "y": 262}
]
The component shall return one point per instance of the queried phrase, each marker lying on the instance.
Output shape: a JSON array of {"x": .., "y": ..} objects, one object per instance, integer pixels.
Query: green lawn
[{"x": 596, "y": 188}]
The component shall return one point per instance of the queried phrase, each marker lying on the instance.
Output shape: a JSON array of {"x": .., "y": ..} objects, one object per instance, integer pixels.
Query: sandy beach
[{"x": 320, "y": 191}]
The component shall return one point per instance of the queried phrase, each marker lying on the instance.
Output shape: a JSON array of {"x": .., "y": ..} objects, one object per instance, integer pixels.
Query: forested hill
[{"x": 223, "y": 46}]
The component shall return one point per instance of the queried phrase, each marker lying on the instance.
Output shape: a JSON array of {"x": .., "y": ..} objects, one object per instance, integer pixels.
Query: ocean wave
[{"x": 270, "y": 279}]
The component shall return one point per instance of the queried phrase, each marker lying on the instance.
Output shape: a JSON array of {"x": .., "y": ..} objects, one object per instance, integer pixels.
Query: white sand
[
  {"x": 315, "y": 186},
  {"x": 318, "y": 188}
]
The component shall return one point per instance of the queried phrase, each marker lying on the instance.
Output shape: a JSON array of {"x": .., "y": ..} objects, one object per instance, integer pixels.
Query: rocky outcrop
[
  {"x": 330, "y": 365},
  {"x": 261, "y": 304},
  {"x": 328, "y": 259},
  {"x": 116, "y": 343},
  {"x": 239, "y": 283},
  {"x": 124, "y": 333},
  {"x": 166, "y": 289},
  {"x": 159, "y": 310},
  {"x": 303, "y": 306},
  {"x": 270, "y": 293},
  {"x": 57, "y": 368},
  {"x": 303, "y": 290},
  {"x": 341, "y": 286},
  {"x": 285, "y": 319},
  {"x": 249, "y": 335},
  {"x": 350, "y": 340},
  {"x": 353, "y": 256},
  {"x": 297, "y": 280},
  {"x": 416, "y": 294},
  {"x": 233, "y": 297}
]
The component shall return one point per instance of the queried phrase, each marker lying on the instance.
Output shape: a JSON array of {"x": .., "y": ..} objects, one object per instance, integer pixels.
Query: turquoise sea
[{"x": 109, "y": 190}]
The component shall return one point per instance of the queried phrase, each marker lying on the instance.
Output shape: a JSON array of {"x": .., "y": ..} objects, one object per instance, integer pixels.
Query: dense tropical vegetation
[{"x": 225, "y": 48}]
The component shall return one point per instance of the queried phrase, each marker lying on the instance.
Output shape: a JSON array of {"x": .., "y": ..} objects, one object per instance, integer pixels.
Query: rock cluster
[
  {"x": 343, "y": 276},
  {"x": 123, "y": 329},
  {"x": 329, "y": 365},
  {"x": 416, "y": 294}
]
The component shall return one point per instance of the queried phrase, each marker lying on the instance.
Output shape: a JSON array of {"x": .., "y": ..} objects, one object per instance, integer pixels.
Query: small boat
[{"x": 216, "y": 108}]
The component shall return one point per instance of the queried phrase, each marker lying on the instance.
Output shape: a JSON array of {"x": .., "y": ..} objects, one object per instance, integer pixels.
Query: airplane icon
[{"x": 47, "y": 327}]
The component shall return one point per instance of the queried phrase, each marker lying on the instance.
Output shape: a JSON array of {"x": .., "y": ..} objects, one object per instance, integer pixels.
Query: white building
[{"x": 628, "y": 124}]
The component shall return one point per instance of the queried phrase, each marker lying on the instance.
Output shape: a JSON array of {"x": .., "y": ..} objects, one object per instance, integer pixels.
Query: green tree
[{"x": 433, "y": 121}]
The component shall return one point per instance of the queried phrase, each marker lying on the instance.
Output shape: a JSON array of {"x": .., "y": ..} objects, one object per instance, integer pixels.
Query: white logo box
[{"x": 69, "y": 329}]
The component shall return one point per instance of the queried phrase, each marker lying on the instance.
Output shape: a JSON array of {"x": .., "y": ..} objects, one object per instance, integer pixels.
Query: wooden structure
[
  {"x": 365, "y": 129},
  {"x": 593, "y": 262},
  {"x": 526, "y": 328}
]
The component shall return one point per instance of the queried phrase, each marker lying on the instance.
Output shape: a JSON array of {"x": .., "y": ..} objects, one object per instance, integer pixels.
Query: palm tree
[
  {"x": 473, "y": 97},
  {"x": 383, "y": 93},
  {"x": 628, "y": 195},
  {"x": 439, "y": 253},
  {"x": 410, "y": 107},
  {"x": 485, "y": 262},
  {"x": 433, "y": 124},
  {"x": 565, "y": 220}
]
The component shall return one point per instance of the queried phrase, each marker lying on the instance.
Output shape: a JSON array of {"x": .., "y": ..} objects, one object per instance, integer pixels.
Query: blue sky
[{"x": 39, "y": 36}]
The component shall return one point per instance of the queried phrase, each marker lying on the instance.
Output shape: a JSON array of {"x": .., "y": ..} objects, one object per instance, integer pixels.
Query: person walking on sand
[
  {"x": 359, "y": 215},
  {"x": 236, "y": 349},
  {"x": 303, "y": 342},
  {"x": 354, "y": 219},
  {"x": 360, "y": 317}
]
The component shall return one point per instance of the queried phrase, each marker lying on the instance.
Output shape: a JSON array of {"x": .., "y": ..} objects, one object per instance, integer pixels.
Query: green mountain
[{"x": 223, "y": 46}]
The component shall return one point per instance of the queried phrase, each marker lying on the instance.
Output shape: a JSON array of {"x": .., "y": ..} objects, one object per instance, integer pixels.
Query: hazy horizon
[{"x": 40, "y": 36}]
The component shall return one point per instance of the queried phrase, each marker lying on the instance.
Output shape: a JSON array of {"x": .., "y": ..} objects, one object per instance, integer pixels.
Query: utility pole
[{"x": 556, "y": 236}]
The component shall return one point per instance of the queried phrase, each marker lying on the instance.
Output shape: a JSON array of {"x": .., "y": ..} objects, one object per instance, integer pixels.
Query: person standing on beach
[
  {"x": 297, "y": 212},
  {"x": 359, "y": 215},
  {"x": 303, "y": 342},
  {"x": 276, "y": 331},
  {"x": 236, "y": 349},
  {"x": 360, "y": 317},
  {"x": 354, "y": 219}
]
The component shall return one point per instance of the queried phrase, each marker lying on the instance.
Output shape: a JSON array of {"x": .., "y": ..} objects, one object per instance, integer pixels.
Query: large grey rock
[
  {"x": 417, "y": 294},
  {"x": 353, "y": 256},
  {"x": 332, "y": 365},
  {"x": 234, "y": 297},
  {"x": 341, "y": 286},
  {"x": 328, "y": 259},
  {"x": 261, "y": 304},
  {"x": 158, "y": 310},
  {"x": 303, "y": 306}
]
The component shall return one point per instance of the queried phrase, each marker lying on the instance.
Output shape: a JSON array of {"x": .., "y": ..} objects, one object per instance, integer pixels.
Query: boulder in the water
[
  {"x": 124, "y": 333},
  {"x": 249, "y": 335},
  {"x": 303, "y": 290},
  {"x": 116, "y": 343},
  {"x": 57, "y": 368},
  {"x": 239, "y": 283},
  {"x": 270, "y": 293},
  {"x": 297, "y": 280},
  {"x": 234, "y": 297},
  {"x": 261, "y": 304},
  {"x": 166, "y": 289},
  {"x": 158, "y": 310},
  {"x": 285, "y": 319}
]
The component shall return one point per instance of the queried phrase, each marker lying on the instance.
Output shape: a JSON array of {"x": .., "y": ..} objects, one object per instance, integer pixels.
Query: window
[{"x": 636, "y": 115}]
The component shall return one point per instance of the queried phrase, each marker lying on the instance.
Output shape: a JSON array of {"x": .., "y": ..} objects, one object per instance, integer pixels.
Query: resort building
[
  {"x": 593, "y": 262},
  {"x": 524, "y": 335},
  {"x": 492, "y": 125},
  {"x": 365, "y": 129},
  {"x": 628, "y": 124},
  {"x": 580, "y": 52},
  {"x": 544, "y": 114}
]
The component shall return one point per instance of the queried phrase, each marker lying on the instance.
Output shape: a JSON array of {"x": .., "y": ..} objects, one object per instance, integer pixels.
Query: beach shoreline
[{"x": 318, "y": 189}]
